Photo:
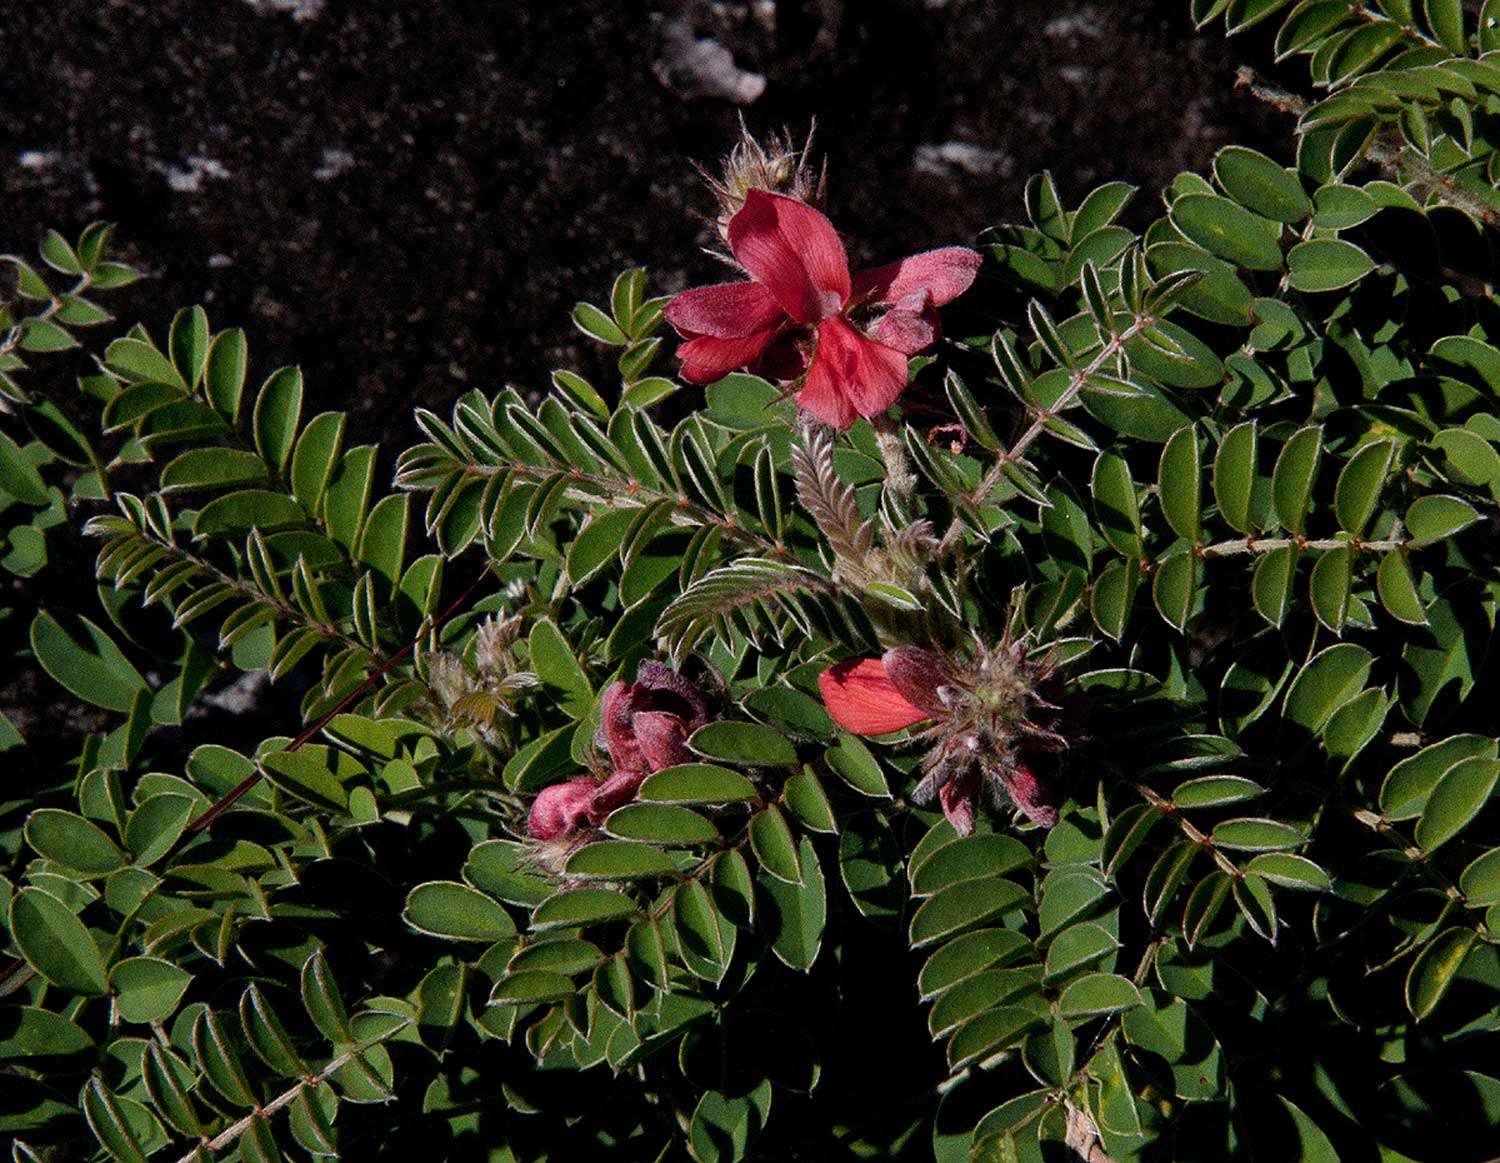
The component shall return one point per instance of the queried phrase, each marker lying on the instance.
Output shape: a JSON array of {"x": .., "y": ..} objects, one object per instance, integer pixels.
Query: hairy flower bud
[
  {"x": 562, "y": 808},
  {"x": 1027, "y": 793},
  {"x": 776, "y": 166},
  {"x": 643, "y": 727}
]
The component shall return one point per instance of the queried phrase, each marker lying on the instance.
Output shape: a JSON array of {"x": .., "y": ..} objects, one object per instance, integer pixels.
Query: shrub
[{"x": 1117, "y": 703}]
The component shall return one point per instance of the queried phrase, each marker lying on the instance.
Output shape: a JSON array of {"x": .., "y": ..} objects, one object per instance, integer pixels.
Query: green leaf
[
  {"x": 1290, "y": 871},
  {"x": 1215, "y": 791},
  {"x": 582, "y": 906},
  {"x": 278, "y": 410},
  {"x": 1249, "y": 834},
  {"x": 744, "y": 744},
  {"x": 1331, "y": 678},
  {"x": 1253, "y": 897},
  {"x": 1328, "y": 586},
  {"x": 155, "y": 826},
  {"x": 1468, "y": 458},
  {"x": 1255, "y": 181},
  {"x": 220, "y": 1061},
  {"x": 1360, "y": 481},
  {"x": 597, "y": 325},
  {"x": 1096, "y": 994},
  {"x": 73, "y": 842},
  {"x": 224, "y": 374},
  {"x": 1292, "y": 478},
  {"x": 1228, "y": 230},
  {"x": 619, "y": 860},
  {"x": 857, "y": 766},
  {"x": 697, "y": 783},
  {"x": 970, "y": 954},
  {"x": 85, "y": 660},
  {"x": 1435, "y": 968},
  {"x": 212, "y": 468},
  {"x": 262, "y": 509},
  {"x": 188, "y": 343},
  {"x": 312, "y": 774},
  {"x": 1173, "y": 587},
  {"x": 1234, "y": 477},
  {"x": 1436, "y": 518},
  {"x": 798, "y": 912},
  {"x": 1398, "y": 589},
  {"x": 1113, "y": 596},
  {"x": 1115, "y": 504},
  {"x": 1408, "y": 784},
  {"x": 1327, "y": 264},
  {"x": 446, "y": 908},
  {"x": 1458, "y": 797},
  {"x": 660, "y": 824},
  {"x": 963, "y": 906},
  {"x": 1480, "y": 881},
  {"x": 970, "y": 858},
  {"x": 989, "y": 1032},
  {"x": 315, "y": 456},
  {"x": 804, "y": 796},
  {"x": 324, "y": 1002},
  {"x": 55, "y": 943},
  {"x": 565, "y": 681},
  {"x": 139, "y": 362},
  {"x": 774, "y": 845},
  {"x": 18, "y": 475},
  {"x": 106, "y": 1117},
  {"x": 1271, "y": 584},
  {"x": 1078, "y": 946},
  {"x": 1180, "y": 483},
  {"x": 148, "y": 989},
  {"x": 1446, "y": 19},
  {"x": 723, "y": 1126},
  {"x": 44, "y": 336}
]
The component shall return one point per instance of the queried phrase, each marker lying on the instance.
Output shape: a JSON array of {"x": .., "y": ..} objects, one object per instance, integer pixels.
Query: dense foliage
[{"x": 1181, "y": 543}]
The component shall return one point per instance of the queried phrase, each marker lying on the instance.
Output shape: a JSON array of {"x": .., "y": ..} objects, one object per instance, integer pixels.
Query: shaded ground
[{"x": 406, "y": 199}]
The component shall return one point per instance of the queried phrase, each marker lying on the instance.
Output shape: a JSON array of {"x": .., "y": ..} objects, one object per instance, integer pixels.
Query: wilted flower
[
  {"x": 561, "y": 808},
  {"x": 792, "y": 320},
  {"x": 984, "y": 716},
  {"x": 644, "y": 727}
]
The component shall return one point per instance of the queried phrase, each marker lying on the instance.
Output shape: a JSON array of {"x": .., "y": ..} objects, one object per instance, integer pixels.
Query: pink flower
[
  {"x": 973, "y": 748},
  {"x": 561, "y": 808},
  {"x": 644, "y": 727},
  {"x": 800, "y": 284}
]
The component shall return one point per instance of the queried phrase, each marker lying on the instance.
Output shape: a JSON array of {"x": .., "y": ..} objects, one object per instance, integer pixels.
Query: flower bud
[
  {"x": 958, "y": 797},
  {"x": 562, "y": 808},
  {"x": 1036, "y": 802},
  {"x": 644, "y": 725}
]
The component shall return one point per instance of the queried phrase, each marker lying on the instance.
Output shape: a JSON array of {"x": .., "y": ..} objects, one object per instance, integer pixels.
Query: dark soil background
[{"x": 407, "y": 198}]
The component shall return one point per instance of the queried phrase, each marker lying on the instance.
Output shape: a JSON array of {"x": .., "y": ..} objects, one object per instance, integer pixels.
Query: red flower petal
[
  {"x": 945, "y": 274},
  {"x": 907, "y": 331},
  {"x": 793, "y": 251},
  {"x": 724, "y": 310},
  {"x": 561, "y": 808},
  {"x": 708, "y": 358},
  {"x": 861, "y": 698},
  {"x": 851, "y": 373}
]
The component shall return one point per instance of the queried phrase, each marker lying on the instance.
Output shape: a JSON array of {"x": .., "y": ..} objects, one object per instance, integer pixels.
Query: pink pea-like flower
[{"x": 792, "y": 319}]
